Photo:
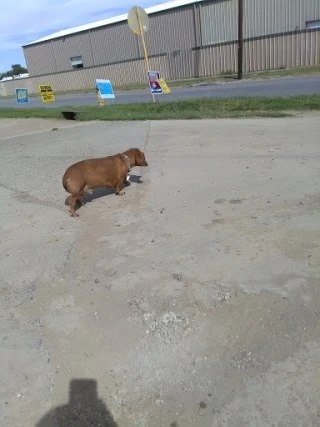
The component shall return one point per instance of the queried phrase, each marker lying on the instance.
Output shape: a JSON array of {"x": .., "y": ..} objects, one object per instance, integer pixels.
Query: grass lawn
[{"x": 208, "y": 108}]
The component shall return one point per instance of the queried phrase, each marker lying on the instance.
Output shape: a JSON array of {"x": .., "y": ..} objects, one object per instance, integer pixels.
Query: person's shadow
[{"x": 84, "y": 408}]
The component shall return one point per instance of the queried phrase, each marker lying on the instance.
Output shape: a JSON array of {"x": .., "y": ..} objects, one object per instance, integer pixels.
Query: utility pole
[{"x": 240, "y": 38}]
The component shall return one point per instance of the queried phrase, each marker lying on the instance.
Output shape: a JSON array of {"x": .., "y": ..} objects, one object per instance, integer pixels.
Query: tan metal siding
[
  {"x": 219, "y": 21},
  {"x": 174, "y": 32},
  {"x": 287, "y": 51},
  {"x": 68, "y": 47},
  {"x": 278, "y": 16},
  {"x": 122, "y": 73},
  {"x": 215, "y": 60},
  {"x": 270, "y": 17},
  {"x": 40, "y": 59},
  {"x": 171, "y": 31},
  {"x": 261, "y": 17},
  {"x": 310, "y": 11},
  {"x": 259, "y": 54},
  {"x": 181, "y": 64},
  {"x": 114, "y": 43}
]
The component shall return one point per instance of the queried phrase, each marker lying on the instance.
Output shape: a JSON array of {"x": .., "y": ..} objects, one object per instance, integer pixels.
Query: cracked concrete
[{"x": 193, "y": 300}]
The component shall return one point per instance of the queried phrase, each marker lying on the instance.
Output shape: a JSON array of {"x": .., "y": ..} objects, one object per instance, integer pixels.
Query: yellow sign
[
  {"x": 165, "y": 88},
  {"x": 46, "y": 93}
]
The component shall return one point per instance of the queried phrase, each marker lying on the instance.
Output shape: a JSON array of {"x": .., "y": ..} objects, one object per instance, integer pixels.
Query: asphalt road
[{"x": 271, "y": 87}]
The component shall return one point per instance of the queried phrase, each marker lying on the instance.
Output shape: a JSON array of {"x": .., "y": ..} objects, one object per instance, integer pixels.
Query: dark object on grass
[{"x": 69, "y": 115}]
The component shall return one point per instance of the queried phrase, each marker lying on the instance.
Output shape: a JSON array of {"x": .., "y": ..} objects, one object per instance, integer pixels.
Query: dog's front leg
[
  {"x": 119, "y": 189},
  {"x": 127, "y": 181}
]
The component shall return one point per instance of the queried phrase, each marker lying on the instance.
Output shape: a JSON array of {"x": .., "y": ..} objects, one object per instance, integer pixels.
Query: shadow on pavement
[
  {"x": 102, "y": 192},
  {"x": 84, "y": 408}
]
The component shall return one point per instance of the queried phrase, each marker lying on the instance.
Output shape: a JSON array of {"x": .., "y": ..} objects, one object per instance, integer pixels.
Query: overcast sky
[{"x": 23, "y": 21}]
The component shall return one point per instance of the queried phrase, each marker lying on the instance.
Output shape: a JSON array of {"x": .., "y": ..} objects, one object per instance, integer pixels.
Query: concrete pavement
[{"x": 190, "y": 301}]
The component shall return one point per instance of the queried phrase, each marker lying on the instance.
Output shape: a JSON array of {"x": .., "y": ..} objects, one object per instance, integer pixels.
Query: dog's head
[{"x": 137, "y": 157}]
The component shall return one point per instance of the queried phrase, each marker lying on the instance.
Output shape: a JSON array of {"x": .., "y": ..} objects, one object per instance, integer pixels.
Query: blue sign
[
  {"x": 22, "y": 96},
  {"x": 105, "y": 89},
  {"x": 153, "y": 77}
]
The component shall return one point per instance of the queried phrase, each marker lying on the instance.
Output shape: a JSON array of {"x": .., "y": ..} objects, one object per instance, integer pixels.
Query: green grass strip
[{"x": 205, "y": 108}]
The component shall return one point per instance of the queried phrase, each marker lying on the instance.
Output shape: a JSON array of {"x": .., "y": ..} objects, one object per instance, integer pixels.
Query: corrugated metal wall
[
  {"x": 271, "y": 16},
  {"x": 113, "y": 44},
  {"x": 219, "y": 59},
  {"x": 219, "y": 21},
  {"x": 310, "y": 11},
  {"x": 40, "y": 59},
  {"x": 287, "y": 51},
  {"x": 130, "y": 72},
  {"x": 278, "y": 16},
  {"x": 178, "y": 30},
  {"x": 75, "y": 45},
  {"x": 198, "y": 40},
  {"x": 294, "y": 50},
  {"x": 171, "y": 31},
  {"x": 262, "y": 17}
]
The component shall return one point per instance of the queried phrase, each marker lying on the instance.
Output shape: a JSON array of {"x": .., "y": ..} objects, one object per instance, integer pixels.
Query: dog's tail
[{"x": 65, "y": 182}]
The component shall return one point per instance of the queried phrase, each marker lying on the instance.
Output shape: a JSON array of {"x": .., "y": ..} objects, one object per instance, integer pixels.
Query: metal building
[{"x": 186, "y": 38}]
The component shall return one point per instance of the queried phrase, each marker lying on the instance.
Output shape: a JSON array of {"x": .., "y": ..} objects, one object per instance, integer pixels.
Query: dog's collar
[{"x": 127, "y": 159}]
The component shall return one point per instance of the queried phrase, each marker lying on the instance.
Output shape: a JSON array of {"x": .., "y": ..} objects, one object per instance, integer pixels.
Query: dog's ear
[{"x": 142, "y": 160}]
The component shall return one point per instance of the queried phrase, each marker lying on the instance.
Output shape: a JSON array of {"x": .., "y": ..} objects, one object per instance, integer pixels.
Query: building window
[
  {"x": 76, "y": 62},
  {"x": 313, "y": 24}
]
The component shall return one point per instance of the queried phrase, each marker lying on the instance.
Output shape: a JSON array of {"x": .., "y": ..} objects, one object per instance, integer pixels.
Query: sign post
[
  {"x": 240, "y": 38},
  {"x": 138, "y": 21}
]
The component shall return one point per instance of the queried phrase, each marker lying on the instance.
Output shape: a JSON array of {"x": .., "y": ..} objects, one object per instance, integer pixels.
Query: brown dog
[{"x": 111, "y": 172}]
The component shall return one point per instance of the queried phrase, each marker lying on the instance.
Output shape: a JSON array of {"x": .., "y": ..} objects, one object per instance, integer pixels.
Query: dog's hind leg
[
  {"x": 81, "y": 199},
  {"x": 72, "y": 204}
]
